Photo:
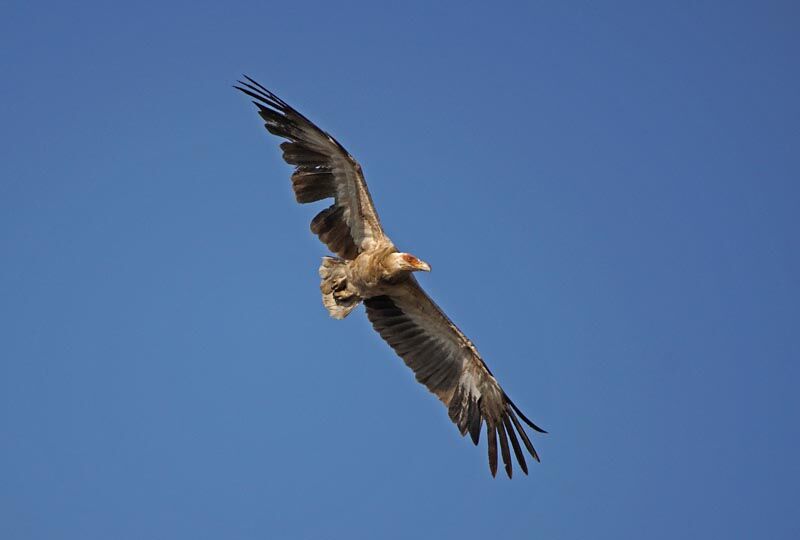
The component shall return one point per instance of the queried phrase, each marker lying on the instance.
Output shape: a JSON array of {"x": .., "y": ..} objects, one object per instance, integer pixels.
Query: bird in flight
[{"x": 369, "y": 269}]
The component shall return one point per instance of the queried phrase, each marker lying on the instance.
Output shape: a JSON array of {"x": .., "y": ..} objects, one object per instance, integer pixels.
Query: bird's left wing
[
  {"x": 447, "y": 363},
  {"x": 323, "y": 169}
]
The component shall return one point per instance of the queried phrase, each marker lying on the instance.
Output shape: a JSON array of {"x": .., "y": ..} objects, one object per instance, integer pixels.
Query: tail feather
[{"x": 338, "y": 296}]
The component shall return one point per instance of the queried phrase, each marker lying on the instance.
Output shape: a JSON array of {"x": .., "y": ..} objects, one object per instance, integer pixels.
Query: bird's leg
[{"x": 339, "y": 283}]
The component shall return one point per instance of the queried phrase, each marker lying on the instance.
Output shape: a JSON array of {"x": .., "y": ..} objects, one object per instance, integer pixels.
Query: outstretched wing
[
  {"x": 446, "y": 362},
  {"x": 323, "y": 169}
]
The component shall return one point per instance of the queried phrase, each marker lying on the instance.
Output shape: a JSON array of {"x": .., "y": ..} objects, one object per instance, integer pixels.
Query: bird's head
[{"x": 405, "y": 262}]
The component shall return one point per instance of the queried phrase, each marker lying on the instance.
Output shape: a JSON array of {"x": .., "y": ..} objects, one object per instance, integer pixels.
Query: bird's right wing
[
  {"x": 447, "y": 363},
  {"x": 323, "y": 169}
]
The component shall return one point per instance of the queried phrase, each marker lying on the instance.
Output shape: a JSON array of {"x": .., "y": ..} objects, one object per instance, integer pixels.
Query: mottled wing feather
[
  {"x": 323, "y": 169},
  {"x": 447, "y": 363}
]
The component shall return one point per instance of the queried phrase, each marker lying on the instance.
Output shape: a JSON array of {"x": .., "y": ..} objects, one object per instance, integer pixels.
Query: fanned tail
[{"x": 338, "y": 295}]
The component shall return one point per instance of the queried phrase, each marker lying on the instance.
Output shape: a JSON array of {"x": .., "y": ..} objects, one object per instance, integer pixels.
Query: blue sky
[{"x": 608, "y": 196}]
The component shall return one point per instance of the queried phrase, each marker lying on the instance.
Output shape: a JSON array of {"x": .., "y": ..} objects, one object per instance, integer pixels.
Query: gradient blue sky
[{"x": 608, "y": 195}]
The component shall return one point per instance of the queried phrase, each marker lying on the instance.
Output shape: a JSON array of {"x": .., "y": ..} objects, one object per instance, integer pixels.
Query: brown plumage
[{"x": 370, "y": 269}]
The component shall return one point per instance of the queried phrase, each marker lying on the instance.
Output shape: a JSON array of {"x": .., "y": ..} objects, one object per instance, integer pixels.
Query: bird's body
[
  {"x": 374, "y": 269},
  {"x": 372, "y": 273},
  {"x": 369, "y": 269}
]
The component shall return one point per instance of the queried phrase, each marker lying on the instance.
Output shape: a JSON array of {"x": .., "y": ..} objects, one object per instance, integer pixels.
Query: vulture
[{"x": 369, "y": 269}]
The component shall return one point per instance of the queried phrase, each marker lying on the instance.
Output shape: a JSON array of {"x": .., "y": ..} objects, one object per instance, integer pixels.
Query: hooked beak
[
  {"x": 409, "y": 262},
  {"x": 422, "y": 266}
]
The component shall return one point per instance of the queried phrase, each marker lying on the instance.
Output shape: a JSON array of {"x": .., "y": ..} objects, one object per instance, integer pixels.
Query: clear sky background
[{"x": 608, "y": 195}]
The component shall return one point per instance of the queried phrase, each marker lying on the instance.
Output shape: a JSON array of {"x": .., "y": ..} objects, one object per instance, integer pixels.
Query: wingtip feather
[
  {"x": 491, "y": 438},
  {"x": 525, "y": 440},
  {"x": 524, "y": 418},
  {"x": 515, "y": 444},
  {"x": 501, "y": 434}
]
